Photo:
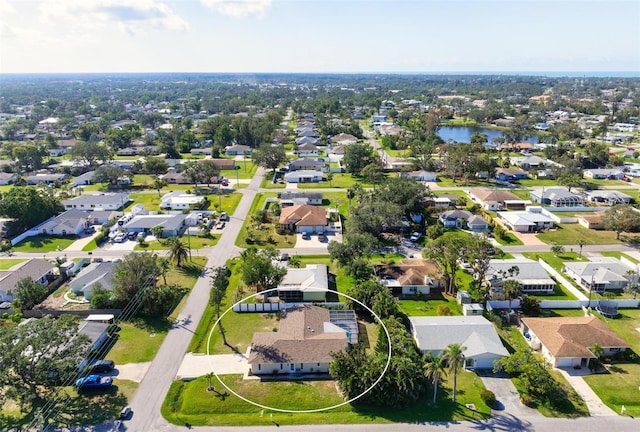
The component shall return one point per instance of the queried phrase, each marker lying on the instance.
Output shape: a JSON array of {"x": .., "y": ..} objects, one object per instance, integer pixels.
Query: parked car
[
  {"x": 284, "y": 257},
  {"x": 321, "y": 237},
  {"x": 415, "y": 236},
  {"x": 90, "y": 229},
  {"x": 132, "y": 235},
  {"x": 306, "y": 236},
  {"x": 625, "y": 179},
  {"x": 119, "y": 238},
  {"x": 224, "y": 216},
  {"x": 97, "y": 366},
  {"x": 141, "y": 234},
  {"x": 224, "y": 182},
  {"x": 125, "y": 413},
  {"x": 220, "y": 225},
  {"x": 94, "y": 381}
]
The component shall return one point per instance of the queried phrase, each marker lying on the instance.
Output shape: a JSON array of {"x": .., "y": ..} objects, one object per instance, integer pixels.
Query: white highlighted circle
[{"x": 384, "y": 371}]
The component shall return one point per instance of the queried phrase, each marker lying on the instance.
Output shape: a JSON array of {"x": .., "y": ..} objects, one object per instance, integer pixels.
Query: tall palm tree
[
  {"x": 178, "y": 251},
  {"x": 581, "y": 242},
  {"x": 453, "y": 357},
  {"x": 511, "y": 290},
  {"x": 163, "y": 265},
  {"x": 435, "y": 369}
]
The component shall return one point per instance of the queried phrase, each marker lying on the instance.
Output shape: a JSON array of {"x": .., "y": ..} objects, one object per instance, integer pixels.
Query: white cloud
[
  {"x": 238, "y": 8},
  {"x": 80, "y": 16}
]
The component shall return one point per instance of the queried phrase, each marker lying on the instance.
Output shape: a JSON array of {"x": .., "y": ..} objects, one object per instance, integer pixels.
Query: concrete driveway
[
  {"x": 594, "y": 403},
  {"x": 197, "y": 365},
  {"x": 507, "y": 397},
  {"x": 314, "y": 242}
]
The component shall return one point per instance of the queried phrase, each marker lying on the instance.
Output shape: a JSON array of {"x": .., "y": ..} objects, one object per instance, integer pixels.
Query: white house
[
  {"x": 85, "y": 282},
  {"x": 531, "y": 276},
  {"x": 433, "y": 334},
  {"x": 531, "y": 220},
  {"x": 179, "y": 200},
  {"x": 599, "y": 274},
  {"x": 303, "y": 176},
  {"x": 107, "y": 201},
  {"x": 425, "y": 176},
  {"x": 39, "y": 270},
  {"x": 71, "y": 222},
  {"x": 307, "y": 150},
  {"x": 304, "y": 284}
]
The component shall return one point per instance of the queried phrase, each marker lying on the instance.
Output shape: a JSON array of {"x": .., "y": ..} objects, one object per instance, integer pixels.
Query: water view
[{"x": 462, "y": 134}]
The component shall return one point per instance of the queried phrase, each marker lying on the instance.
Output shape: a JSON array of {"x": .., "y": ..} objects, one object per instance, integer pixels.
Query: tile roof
[
  {"x": 303, "y": 215},
  {"x": 410, "y": 271},
  {"x": 489, "y": 195}
]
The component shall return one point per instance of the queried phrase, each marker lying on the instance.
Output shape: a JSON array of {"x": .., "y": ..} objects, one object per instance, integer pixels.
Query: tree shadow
[{"x": 190, "y": 270}]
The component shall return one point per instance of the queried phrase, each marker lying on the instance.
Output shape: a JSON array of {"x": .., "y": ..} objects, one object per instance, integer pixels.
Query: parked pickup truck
[{"x": 94, "y": 381}]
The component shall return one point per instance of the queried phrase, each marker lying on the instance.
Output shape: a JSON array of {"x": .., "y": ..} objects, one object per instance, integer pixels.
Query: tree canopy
[{"x": 29, "y": 206}]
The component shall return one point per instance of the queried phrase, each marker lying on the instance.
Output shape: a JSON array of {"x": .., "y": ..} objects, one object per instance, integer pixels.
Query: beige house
[
  {"x": 305, "y": 284},
  {"x": 412, "y": 276},
  {"x": 567, "y": 341},
  {"x": 303, "y": 344},
  {"x": 496, "y": 199}
]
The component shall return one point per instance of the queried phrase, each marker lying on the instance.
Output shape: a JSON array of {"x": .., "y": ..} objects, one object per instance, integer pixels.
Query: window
[
  {"x": 259, "y": 366},
  {"x": 280, "y": 366}
]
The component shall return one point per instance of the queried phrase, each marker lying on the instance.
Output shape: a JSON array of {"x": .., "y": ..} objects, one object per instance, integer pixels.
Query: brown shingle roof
[
  {"x": 573, "y": 336},
  {"x": 410, "y": 271},
  {"x": 488, "y": 195},
  {"x": 303, "y": 215},
  {"x": 301, "y": 338}
]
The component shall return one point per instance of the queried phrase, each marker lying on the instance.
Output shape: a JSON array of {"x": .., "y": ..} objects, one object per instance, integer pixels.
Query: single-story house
[
  {"x": 556, "y": 197},
  {"x": 599, "y": 274},
  {"x": 304, "y": 218},
  {"x": 83, "y": 179},
  {"x": 426, "y": 176},
  {"x": 178, "y": 200},
  {"x": 307, "y": 132},
  {"x": 510, "y": 174},
  {"x": 7, "y": 178},
  {"x": 303, "y": 176},
  {"x": 39, "y": 270},
  {"x": 175, "y": 177},
  {"x": 604, "y": 173},
  {"x": 609, "y": 197},
  {"x": 225, "y": 164},
  {"x": 441, "y": 200},
  {"x": 95, "y": 331},
  {"x": 494, "y": 200},
  {"x": 304, "y": 343},
  {"x": 71, "y": 222},
  {"x": 237, "y": 150},
  {"x": 567, "y": 341},
  {"x": 288, "y": 199},
  {"x": 45, "y": 178},
  {"x": 201, "y": 151},
  {"x": 85, "y": 282},
  {"x": 107, "y": 201},
  {"x": 531, "y": 276},
  {"x": 433, "y": 334},
  {"x": 344, "y": 139},
  {"x": 463, "y": 219},
  {"x": 592, "y": 221},
  {"x": 531, "y": 220},
  {"x": 530, "y": 162},
  {"x": 410, "y": 277},
  {"x": 307, "y": 164},
  {"x": 173, "y": 225},
  {"x": 307, "y": 150},
  {"x": 304, "y": 284},
  {"x": 307, "y": 140}
]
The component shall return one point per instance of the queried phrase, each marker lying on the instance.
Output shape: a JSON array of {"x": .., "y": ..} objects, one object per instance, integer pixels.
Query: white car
[
  {"x": 415, "y": 236},
  {"x": 119, "y": 238}
]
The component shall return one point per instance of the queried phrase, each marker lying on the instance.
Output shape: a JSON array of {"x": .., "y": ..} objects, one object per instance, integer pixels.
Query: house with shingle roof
[
  {"x": 463, "y": 219},
  {"x": 411, "y": 276},
  {"x": 510, "y": 174},
  {"x": 307, "y": 164},
  {"x": 307, "y": 140},
  {"x": 7, "y": 178},
  {"x": 307, "y": 150},
  {"x": 433, "y": 334},
  {"x": 303, "y": 176},
  {"x": 556, "y": 197},
  {"x": 599, "y": 274},
  {"x": 530, "y": 275},
  {"x": 71, "y": 222},
  {"x": 39, "y": 270},
  {"x": 491, "y": 199},
  {"x": 567, "y": 341},
  {"x": 106, "y": 201},
  {"x": 89, "y": 277},
  {"x": 531, "y": 220},
  {"x": 609, "y": 197},
  {"x": 304, "y": 343},
  {"x": 289, "y": 198},
  {"x": 304, "y": 218},
  {"x": 344, "y": 139}
]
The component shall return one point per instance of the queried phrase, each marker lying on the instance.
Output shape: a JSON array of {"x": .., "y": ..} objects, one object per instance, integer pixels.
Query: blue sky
[{"x": 319, "y": 36}]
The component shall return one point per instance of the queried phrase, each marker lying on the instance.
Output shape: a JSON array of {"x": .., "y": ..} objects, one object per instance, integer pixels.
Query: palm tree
[
  {"x": 209, "y": 376},
  {"x": 178, "y": 251},
  {"x": 581, "y": 242},
  {"x": 453, "y": 357},
  {"x": 163, "y": 265},
  {"x": 435, "y": 369},
  {"x": 511, "y": 290}
]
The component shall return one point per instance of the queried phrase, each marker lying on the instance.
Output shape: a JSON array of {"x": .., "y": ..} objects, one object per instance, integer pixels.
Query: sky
[{"x": 320, "y": 36}]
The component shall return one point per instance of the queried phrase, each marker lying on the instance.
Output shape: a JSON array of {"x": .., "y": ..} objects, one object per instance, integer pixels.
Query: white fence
[
  {"x": 29, "y": 233},
  {"x": 562, "y": 304},
  {"x": 274, "y": 307}
]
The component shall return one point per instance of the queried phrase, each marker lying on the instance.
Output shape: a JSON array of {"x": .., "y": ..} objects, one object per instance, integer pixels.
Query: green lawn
[
  {"x": 428, "y": 307},
  {"x": 196, "y": 406},
  {"x": 90, "y": 246},
  {"x": 340, "y": 180},
  {"x": 619, "y": 255},
  {"x": 508, "y": 240},
  {"x": 139, "y": 339},
  {"x": 42, "y": 243},
  {"x": 7, "y": 263},
  {"x": 621, "y": 386},
  {"x": 569, "y": 234},
  {"x": 195, "y": 242},
  {"x": 150, "y": 200},
  {"x": 625, "y": 326}
]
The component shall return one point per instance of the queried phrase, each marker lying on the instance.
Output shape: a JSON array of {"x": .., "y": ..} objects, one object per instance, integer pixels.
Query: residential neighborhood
[{"x": 197, "y": 245}]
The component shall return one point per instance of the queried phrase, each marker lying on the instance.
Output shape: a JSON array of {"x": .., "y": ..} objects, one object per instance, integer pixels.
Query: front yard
[
  {"x": 570, "y": 234},
  {"x": 619, "y": 387},
  {"x": 43, "y": 243}
]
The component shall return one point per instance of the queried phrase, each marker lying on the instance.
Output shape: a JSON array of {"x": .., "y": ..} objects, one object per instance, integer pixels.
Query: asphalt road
[{"x": 148, "y": 398}]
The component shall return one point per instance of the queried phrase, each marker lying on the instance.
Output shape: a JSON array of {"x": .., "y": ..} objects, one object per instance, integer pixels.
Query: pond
[{"x": 462, "y": 134}]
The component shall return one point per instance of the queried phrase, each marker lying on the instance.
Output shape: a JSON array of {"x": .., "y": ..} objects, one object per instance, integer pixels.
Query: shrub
[
  {"x": 443, "y": 310},
  {"x": 488, "y": 397},
  {"x": 526, "y": 400}
]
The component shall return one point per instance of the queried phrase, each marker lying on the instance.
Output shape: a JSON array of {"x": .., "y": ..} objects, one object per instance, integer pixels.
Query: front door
[{"x": 292, "y": 368}]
